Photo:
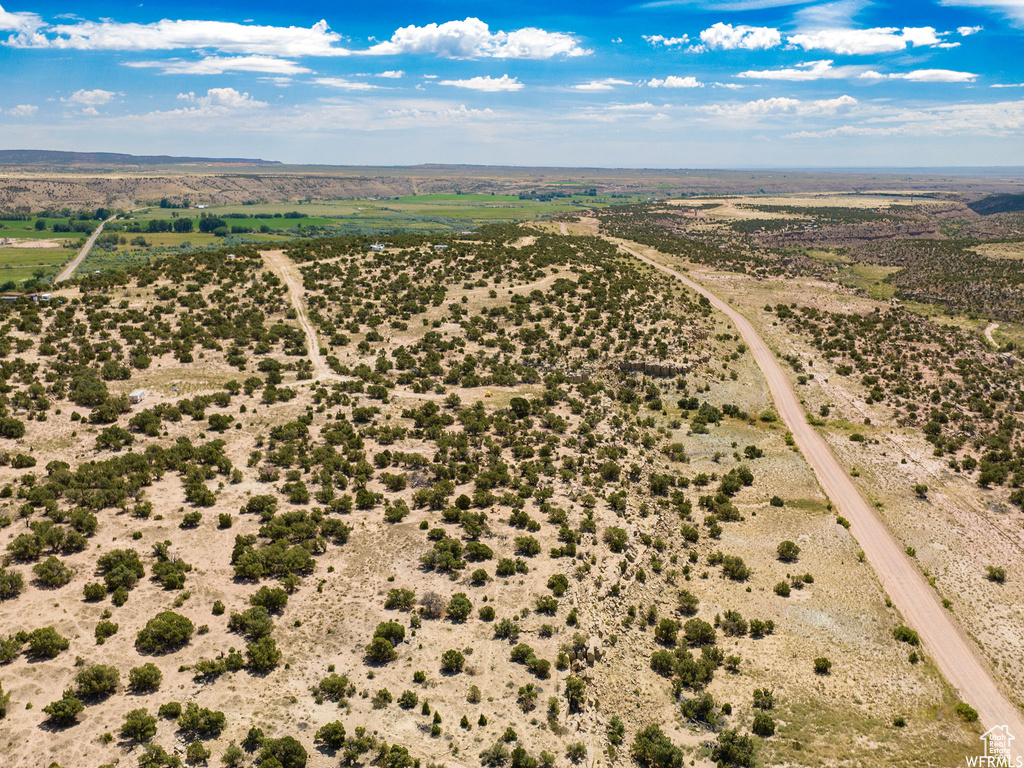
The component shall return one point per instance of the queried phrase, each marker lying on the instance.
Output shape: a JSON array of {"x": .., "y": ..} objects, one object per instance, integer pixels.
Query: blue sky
[{"x": 658, "y": 84}]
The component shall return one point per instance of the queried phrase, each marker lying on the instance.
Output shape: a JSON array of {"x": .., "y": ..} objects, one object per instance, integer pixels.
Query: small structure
[
  {"x": 231, "y": 257},
  {"x": 377, "y": 247},
  {"x": 136, "y": 396},
  {"x": 11, "y": 296},
  {"x": 440, "y": 247}
]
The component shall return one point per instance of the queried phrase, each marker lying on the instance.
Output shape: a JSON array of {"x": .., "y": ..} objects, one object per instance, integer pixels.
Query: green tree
[
  {"x": 459, "y": 607},
  {"x": 575, "y": 692},
  {"x": 653, "y": 749},
  {"x": 97, "y": 681},
  {"x": 165, "y": 632},
  {"x": 452, "y": 661},
  {"x": 52, "y": 572},
  {"x": 46, "y": 642},
  {"x": 263, "y": 654},
  {"x": 65, "y": 710},
  {"x": 139, "y": 725},
  {"x": 145, "y": 678},
  {"x": 287, "y": 751}
]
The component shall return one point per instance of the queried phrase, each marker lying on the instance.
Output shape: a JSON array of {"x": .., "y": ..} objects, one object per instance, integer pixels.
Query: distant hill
[
  {"x": 53, "y": 157},
  {"x": 1003, "y": 203}
]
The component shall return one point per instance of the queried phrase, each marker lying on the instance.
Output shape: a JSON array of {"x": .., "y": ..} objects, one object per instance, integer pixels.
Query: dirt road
[
  {"x": 988, "y": 334},
  {"x": 69, "y": 270},
  {"x": 289, "y": 272},
  {"x": 944, "y": 641}
]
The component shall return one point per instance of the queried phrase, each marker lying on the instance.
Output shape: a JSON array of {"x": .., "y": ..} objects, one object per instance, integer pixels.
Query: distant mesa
[
  {"x": 54, "y": 157},
  {"x": 1002, "y": 203}
]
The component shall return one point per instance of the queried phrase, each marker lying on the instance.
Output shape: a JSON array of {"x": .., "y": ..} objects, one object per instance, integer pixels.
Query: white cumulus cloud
[
  {"x": 923, "y": 76},
  {"x": 94, "y": 98},
  {"x": 487, "y": 83},
  {"x": 781, "y": 106},
  {"x": 346, "y": 84},
  {"x": 221, "y": 100},
  {"x": 727, "y": 37},
  {"x": 23, "y": 110},
  {"x": 865, "y": 41},
  {"x": 472, "y": 38},
  {"x": 20, "y": 22},
  {"x": 218, "y": 65},
  {"x": 167, "y": 35},
  {"x": 668, "y": 42},
  {"x": 673, "y": 81},
  {"x": 607, "y": 84},
  {"x": 393, "y": 74},
  {"x": 807, "y": 71},
  {"x": 968, "y": 31}
]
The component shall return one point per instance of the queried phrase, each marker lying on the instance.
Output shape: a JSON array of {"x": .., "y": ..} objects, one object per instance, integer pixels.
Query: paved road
[
  {"x": 953, "y": 652},
  {"x": 69, "y": 270}
]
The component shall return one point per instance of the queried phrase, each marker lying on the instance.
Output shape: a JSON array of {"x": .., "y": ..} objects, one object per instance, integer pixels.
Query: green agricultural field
[
  {"x": 20, "y": 264},
  {"x": 26, "y": 230}
]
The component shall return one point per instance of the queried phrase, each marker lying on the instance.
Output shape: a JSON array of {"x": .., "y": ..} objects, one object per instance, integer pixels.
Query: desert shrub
[
  {"x": 575, "y": 692},
  {"x": 273, "y": 599},
  {"x": 11, "y": 584},
  {"x": 486, "y": 613},
  {"x": 408, "y": 699},
  {"x": 822, "y": 665},
  {"x": 400, "y": 599},
  {"x": 196, "y": 752},
  {"x": 171, "y": 710},
  {"x": 651, "y": 748},
  {"x": 120, "y": 568},
  {"x": 615, "y": 538},
  {"x": 433, "y": 605},
  {"x": 200, "y": 720},
  {"x": 452, "y": 661},
  {"x": 764, "y": 698},
  {"x": 46, "y": 642},
  {"x": 94, "y": 592},
  {"x": 734, "y": 749},
  {"x": 262, "y": 655},
  {"x": 782, "y": 589},
  {"x": 380, "y": 651},
  {"x": 558, "y": 584},
  {"x": 138, "y": 725},
  {"x": 688, "y": 603},
  {"x": 995, "y": 573},
  {"x": 254, "y": 623},
  {"x": 65, "y": 710},
  {"x": 733, "y": 624},
  {"x": 905, "y": 634},
  {"x": 666, "y": 631},
  {"x": 145, "y": 678},
  {"x": 97, "y": 681},
  {"x": 154, "y": 756},
  {"x": 576, "y": 751},
  {"x": 788, "y": 551},
  {"x": 331, "y": 735},
  {"x": 698, "y": 632},
  {"x": 459, "y": 607},
  {"x": 52, "y": 572},
  {"x": 334, "y": 687},
  {"x": 165, "y": 632},
  {"x": 105, "y": 629},
  {"x": 287, "y": 751},
  {"x": 967, "y": 712},
  {"x": 763, "y": 725}
]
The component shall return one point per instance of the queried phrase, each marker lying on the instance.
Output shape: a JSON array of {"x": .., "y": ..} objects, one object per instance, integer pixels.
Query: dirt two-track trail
[{"x": 943, "y": 639}]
